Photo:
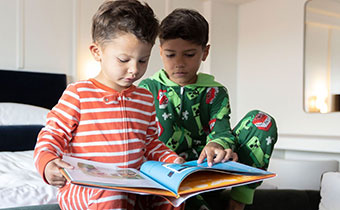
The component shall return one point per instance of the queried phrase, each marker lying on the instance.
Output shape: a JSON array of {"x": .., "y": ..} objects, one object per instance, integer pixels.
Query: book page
[
  {"x": 171, "y": 174},
  {"x": 205, "y": 181},
  {"x": 231, "y": 166},
  {"x": 107, "y": 175}
]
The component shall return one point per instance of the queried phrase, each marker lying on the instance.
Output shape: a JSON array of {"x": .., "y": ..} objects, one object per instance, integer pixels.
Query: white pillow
[
  {"x": 330, "y": 191},
  {"x": 22, "y": 114}
]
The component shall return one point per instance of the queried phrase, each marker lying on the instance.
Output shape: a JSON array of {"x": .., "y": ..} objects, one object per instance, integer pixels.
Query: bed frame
[{"x": 34, "y": 88}]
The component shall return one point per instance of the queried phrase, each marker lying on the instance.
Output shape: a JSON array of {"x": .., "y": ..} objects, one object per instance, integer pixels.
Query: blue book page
[
  {"x": 231, "y": 166},
  {"x": 168, "y": 174},
  {"x": 171, "y": 175}
]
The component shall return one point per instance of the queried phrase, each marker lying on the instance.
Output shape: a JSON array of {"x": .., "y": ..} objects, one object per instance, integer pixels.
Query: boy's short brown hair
[
  {"x": 186, "y": 24},
  {"x": 128, "y": 16}
]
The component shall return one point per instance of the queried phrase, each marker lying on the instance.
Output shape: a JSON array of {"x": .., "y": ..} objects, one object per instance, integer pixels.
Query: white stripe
[
  {"x": 154, "y": 149},
  {"x": 72, "y": 94},
  {"x": 54, "y": 131},
  {"x": 82, "y": 100},
  {"x": 112, "y": 120},
  {"x": 78, "y": 194},
  {"x": 88, "y": 192},
  {"x": 65, "y": 114},
  {"x": 84, "y": 82},
  {"x": 63, "y": 201},
  {"x": 68, "y": 104},
  {"x": 106, "y": 154},
  {"x": 48, "y": 135},
  {"x": 72, "y": 190},
  {"x": 165, "y": 153},
  {"x": 142, "y": 94},
  {"x": 59, "y": 123},
  {"x": 154, "y": 129},
  {"x": 104, "y": 143},
  {"x": 85, "y": 111},
  {"x": 131, "y": 162},
  {"x": 43, "y": 150},
  {"x": 112, "y": 198},
  {"x": 85, "y": 89},
  {"x": 159, "y": 203},
  {"x": 41, "y": 145},
  {"x": 103, "y": 132},
  {"x": 109, "y": 198},
  {"x": 141, "y": 102}
]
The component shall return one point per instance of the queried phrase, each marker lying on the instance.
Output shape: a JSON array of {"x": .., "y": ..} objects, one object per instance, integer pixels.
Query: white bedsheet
[{"x": 20, "y": 183}]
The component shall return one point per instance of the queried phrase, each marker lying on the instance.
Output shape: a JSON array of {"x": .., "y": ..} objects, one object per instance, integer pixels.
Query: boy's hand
[
  {"x": 215, "y": 154},
  {"x": 53, "y": 174},
  {"x": 179, "y": 160}
]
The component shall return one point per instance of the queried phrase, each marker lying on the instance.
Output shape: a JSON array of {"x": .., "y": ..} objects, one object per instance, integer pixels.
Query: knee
[{"x": 262, "y": 120}]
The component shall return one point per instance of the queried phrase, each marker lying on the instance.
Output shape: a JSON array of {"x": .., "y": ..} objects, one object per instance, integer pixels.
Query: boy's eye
[
  {"x": 190, "y": 54},
  {"x": 170, "y": 55},
  {"x": 123, "y": 60},
  {"x": 143, "y": 61}
]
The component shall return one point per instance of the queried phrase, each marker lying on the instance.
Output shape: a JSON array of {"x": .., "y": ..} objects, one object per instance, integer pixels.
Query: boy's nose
[
  {"x": 133, "y": 69},
  {"x": 179, "y": 62}
]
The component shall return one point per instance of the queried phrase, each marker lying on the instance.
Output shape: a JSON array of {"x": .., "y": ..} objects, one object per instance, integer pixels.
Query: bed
[{"x": 25, "y": 99}]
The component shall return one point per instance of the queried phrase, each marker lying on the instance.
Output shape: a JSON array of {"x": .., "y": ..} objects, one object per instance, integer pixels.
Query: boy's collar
[{"x": 108, "y": 89}]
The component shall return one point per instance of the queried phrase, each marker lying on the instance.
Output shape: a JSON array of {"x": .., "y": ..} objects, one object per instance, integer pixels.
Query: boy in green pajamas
[{"x": 193, "y": 109}]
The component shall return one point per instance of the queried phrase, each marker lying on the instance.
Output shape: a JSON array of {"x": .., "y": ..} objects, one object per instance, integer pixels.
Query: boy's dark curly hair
[
  {"x": 130, "y": 16},
  {"x": 186, "y": 24}
]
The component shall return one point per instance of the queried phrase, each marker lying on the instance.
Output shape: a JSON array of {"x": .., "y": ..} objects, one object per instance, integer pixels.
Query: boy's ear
[
  {"x": 95, "y": 51},
  {"x": 205, "y": 52}
]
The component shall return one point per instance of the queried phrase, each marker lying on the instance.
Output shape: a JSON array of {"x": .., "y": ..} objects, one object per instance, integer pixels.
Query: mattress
[{"x": 20, "y": 183}]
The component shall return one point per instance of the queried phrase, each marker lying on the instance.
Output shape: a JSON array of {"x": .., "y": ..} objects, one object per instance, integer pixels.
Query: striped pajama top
[{"x": 95, "y": 122}]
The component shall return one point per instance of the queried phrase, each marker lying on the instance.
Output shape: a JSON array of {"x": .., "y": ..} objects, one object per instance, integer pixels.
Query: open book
[{"x": 175, "y": 182}]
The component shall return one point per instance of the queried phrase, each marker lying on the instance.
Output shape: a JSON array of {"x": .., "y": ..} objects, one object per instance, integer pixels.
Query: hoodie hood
[{"x": 203, "y": 80}]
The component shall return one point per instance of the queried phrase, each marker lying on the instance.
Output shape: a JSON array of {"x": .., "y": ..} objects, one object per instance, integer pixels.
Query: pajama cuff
[
  {"x": 221, "y": 142},
  {"x": 242, "y": 194}
]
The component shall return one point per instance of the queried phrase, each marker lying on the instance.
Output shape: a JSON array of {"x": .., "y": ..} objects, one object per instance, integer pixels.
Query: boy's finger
[
  {"x": 210, "y": 157},
  {"x": 234, "y": 156},
  {"x": 220, "y": 155},
  {"x": 228, "y": 155},
  {"x": 201, "y": 157},
  {"x": 179, "y": 160},
  {"x": 59, "y": 183},
  {"x": 62, "y": 164}
]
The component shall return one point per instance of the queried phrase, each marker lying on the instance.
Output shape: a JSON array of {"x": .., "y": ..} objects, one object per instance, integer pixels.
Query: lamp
[{"x": 318, "y": 104}]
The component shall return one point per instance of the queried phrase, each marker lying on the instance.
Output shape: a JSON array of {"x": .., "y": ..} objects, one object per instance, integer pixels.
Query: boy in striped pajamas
[
  {"x": 193, "y": 111},
  {"x": 106, "y": 118}
]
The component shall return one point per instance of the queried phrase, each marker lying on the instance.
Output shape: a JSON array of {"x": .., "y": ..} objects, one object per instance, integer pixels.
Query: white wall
[
  {"x": 270, "y": 77},
  {"x": 256, "y": 51},
  {"x": 37, "y": 35},
  {"x": 54, "y": 36}
]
